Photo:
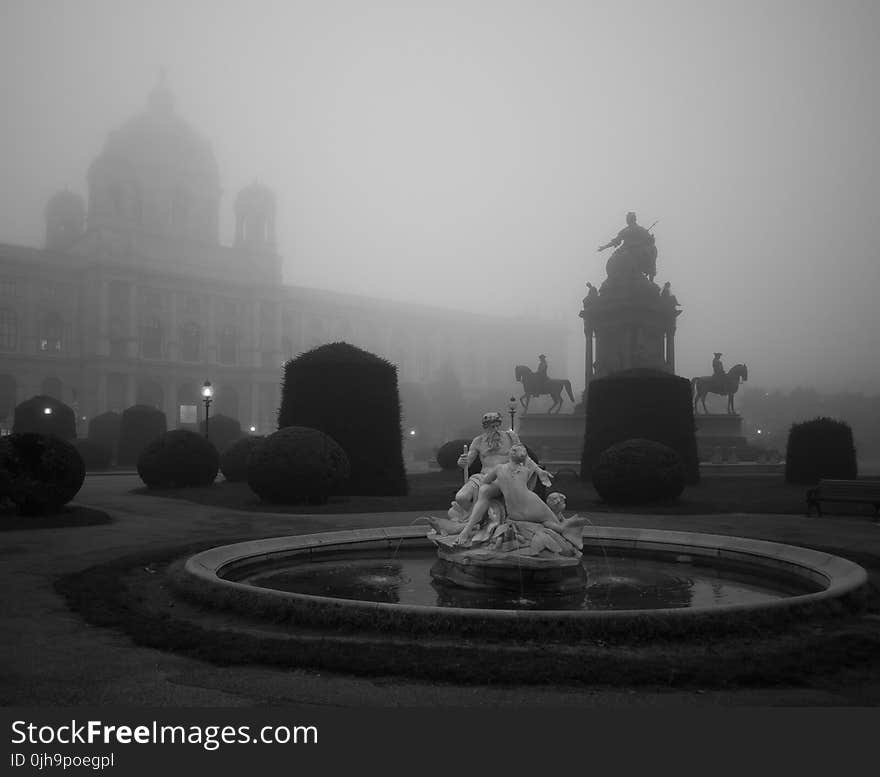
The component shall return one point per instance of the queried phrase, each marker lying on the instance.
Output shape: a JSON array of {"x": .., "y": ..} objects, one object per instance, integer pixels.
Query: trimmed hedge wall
[
  {"x": 640, "y": 404},
  {"x": 350, "y": 395},
  {"x": 821, "y": 448},
  {"x": 95, "y": 455},
  {"x": 39, "y": 473},
  {"x": 139, "y": 426},
  {"x": 104, "y": 430},
  {"x": 30, "y": 417}
]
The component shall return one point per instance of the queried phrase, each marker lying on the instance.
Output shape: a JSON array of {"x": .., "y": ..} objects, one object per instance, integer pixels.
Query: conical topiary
[
  {"x": 821, "y": 448},
  {"x": 350, "y": 395}
]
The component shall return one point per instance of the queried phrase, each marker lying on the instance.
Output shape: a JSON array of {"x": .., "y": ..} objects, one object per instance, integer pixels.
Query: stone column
[{"x": 670, "y": 349}]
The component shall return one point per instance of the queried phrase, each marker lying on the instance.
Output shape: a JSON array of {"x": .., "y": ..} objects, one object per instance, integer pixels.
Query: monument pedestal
[
  {"x": 557, "y": 438},
  {"x": 720, "y": 438}
]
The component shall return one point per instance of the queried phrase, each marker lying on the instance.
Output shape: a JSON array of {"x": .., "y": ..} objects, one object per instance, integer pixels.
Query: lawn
[{"x": 433, "y": 491}]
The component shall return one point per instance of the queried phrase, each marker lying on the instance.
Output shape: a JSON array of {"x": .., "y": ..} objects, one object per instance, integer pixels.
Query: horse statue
[
  {"x": 720, "y": 384},
  {"x": 533, "y": 386}
]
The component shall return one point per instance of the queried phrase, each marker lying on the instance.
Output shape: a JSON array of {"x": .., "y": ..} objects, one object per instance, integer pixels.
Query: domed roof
[
  {"x": 66, "y": 204},
  {"x": 255, "y": 198},
  {"x": 160, "y": 138}
]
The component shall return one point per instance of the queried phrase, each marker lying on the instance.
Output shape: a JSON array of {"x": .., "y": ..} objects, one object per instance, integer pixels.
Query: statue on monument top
[{"x": 636, "y": 251}]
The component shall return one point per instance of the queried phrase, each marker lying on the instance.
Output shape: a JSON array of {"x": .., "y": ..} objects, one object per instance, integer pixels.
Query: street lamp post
[
  {"x": 511, "y": 409},
  {"x": 207, "y": 395}
]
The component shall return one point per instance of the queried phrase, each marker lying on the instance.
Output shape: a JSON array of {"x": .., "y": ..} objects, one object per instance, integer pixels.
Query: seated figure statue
[{"x": 493, "y": 447}]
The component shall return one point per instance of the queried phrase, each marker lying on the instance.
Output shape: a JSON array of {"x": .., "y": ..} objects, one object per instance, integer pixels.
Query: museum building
[{"x": 134, "y": 300}]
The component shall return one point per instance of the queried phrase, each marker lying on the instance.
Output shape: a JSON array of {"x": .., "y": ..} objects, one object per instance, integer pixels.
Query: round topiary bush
[
  {"x": 351, "y": 395},
  {"x": 31, "y": 416},
  {"x": 95, "y": 455},
  {"x": 39, "y": 473},
  {"x": 178, "y": 459},
  {"x": 297, "y": 465},
  {"x": 139, "y": 426},
  {"x": 234, "y": 460},
  {"x": 821, "y": 448},
  {"x": 640, "y": 404},
  {"x": 638, "y": 471}
]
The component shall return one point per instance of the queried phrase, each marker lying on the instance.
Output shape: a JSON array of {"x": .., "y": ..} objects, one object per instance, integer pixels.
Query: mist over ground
[{"x": 473, "y": 155}]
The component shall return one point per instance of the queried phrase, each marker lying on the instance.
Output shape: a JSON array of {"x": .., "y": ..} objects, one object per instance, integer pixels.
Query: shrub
[
  {"x": 350, "y": 395},
  {"x": 95, "y": 456},
  {"x": 39, "y": 473},
  {"x": 821, "y": 448},
  {"x": 178, "y": 459},
  {"x": 640, "y": 404},
  {"x": 638, "y": 471},
  {"x": 139, "y": 426},
  {"x": 31, "y": 417},
  {"x": 234, "y": 460},
  {"x": 222, "y": 431},
  {"x": 297, "y": 465},
  {"x": 104, "y": 430}
]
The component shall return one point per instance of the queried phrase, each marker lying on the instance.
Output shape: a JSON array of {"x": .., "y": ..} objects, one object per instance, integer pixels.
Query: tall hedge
[
  {"x": 139, "y": 426},
  {"x": 350, "y": 395},
  {"x": 31, "y": 417},
  {"x": 104, "y": 430},
  {"x": 821, "y": 448},
  {"x": 640, "y": 404}
]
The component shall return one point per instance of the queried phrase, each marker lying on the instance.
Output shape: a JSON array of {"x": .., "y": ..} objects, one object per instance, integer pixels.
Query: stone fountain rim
[{"x": 202, "y": 573}]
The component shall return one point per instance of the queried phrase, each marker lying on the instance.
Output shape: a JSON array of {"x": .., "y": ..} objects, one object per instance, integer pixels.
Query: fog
[{"x": 473, "y": 155}]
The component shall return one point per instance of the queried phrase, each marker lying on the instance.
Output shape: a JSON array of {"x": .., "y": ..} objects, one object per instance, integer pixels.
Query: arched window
[
  {"x": 151, "y": 339},
  {"x": 190, "y": 341},
  {"x": 52, "y": 388},
  {"x": 52, "y": 333},
  {"x": 227, "y": 345},
  {"x": 8, "y": 330}
]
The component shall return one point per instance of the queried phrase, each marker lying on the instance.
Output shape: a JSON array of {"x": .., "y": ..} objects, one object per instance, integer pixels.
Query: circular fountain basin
[{"x": 380, "y": 579}]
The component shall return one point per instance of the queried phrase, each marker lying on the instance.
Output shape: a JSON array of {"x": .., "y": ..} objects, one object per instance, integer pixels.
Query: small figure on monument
[
  {"x": 718, "y": 366},
  {"x": 636, "y": 249},
  {"x": 667, "y": 295}
]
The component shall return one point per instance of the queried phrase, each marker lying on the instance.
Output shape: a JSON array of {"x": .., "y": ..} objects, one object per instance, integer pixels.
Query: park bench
[{"x": 854, "y": 491}]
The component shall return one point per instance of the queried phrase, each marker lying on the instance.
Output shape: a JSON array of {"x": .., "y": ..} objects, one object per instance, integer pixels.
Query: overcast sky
[{"x": 475, "y": 154}]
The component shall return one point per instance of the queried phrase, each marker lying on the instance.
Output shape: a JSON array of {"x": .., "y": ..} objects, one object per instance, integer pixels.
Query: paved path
[{"x": 50, "y": 656}]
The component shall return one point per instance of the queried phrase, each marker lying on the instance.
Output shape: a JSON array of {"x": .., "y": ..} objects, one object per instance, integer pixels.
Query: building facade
[{"x": 133, "y": 299}]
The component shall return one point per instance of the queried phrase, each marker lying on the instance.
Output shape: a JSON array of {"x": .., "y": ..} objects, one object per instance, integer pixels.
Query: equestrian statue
[
  {"x": 719, "y": 382},
  {"x": 536, "y": 384}
]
